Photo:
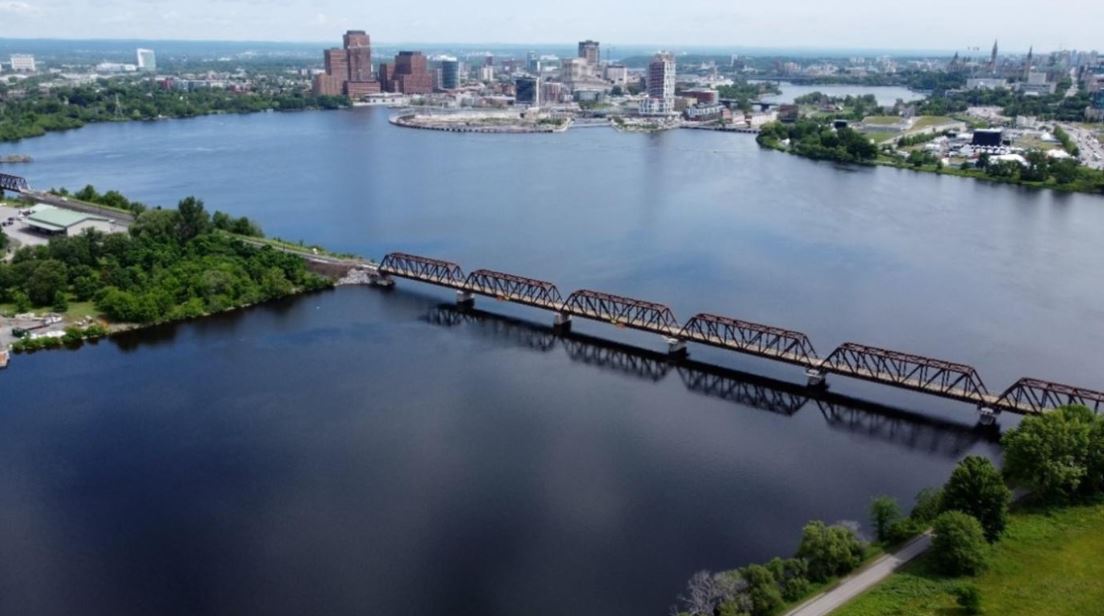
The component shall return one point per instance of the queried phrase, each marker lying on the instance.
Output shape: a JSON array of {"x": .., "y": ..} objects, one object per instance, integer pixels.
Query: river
[
  {"x": 885, "y": 95},
  {"x": 363, "y": 451}
]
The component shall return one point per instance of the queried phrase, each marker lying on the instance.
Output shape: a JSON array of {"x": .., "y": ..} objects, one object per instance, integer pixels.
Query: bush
[
  {"x": 977, "y": 488},
  {"x": 929, "y": 502},
  {"x": 958, "y": 545},
  {"x": 1057, "y": 455},
  {"x": 904, "y": 529},
  {"x": 792, "y": 577},
  {"x": 829, "y": 550},
  {"x": 884, "y": 512},
  {"x": 968, "y": 598}
]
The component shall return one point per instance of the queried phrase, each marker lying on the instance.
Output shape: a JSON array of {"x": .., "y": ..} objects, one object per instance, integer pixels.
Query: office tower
[
  {"x": 661, "y": 85},
  {"x": 527, "y": 91},
  {"x": 588, "y": 50},
  {"x": 408, "y": 74},
  {"x": 147, "y": 60},
  {"x": 450, "y": 74}
]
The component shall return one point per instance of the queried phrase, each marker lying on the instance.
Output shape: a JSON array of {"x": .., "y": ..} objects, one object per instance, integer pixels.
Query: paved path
[{"x": 853, "y": 586}]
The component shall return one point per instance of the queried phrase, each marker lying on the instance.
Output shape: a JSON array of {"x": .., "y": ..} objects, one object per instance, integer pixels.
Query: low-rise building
[
  {"x": 52, "y": 220},
  {"x": 986, "y": 83},
  {"x": 22, "y": 63}
]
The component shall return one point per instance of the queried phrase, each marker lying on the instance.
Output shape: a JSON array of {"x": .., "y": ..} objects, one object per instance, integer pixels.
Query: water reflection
[{"x": 860, "y": 417}]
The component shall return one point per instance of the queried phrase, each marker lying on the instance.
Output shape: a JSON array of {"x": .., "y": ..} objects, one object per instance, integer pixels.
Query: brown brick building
[
  {"x": 348, "y": 69},
  {"x": 409, "y": 74}
]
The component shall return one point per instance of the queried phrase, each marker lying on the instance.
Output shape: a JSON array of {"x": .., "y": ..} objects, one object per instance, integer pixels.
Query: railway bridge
[{"x": 937, "y": 377}]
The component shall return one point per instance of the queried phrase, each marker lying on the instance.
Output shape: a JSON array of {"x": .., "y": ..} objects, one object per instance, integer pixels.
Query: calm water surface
[
  {"x": 360, "y": 451},
  {"x": 886, "y": 95}
]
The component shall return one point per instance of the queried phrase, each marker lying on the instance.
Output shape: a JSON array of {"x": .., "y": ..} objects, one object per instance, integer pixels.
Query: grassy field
[
  {"x": 1047, "y": 563},
  {"x": 76, "y": 312},
  {"x": 927, "y": 121},
  {"x": 881, "y": 120}
]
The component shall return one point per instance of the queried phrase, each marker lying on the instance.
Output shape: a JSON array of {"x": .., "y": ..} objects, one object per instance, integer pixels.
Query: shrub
[
  {"x": 1057, "y": 455},
  {"x": 968, "y": 598},
  {"x": 958, "y": 546},
  {"x": 829, "y": 550},
  {"x": 928, "y": 505},
  {"x": 884, "y": 512},
  {"x": 977, "y": 488},
  {"x": 904, "y": 529}
]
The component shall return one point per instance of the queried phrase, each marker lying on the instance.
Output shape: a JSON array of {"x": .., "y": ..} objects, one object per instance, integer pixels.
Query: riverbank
[
  {"x": 482, "y": 123},
  {"x": 1047, "y": 562}
]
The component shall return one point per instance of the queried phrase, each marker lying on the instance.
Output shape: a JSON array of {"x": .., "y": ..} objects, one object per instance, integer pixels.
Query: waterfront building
[
  {"x": 22, "y": 63},
  {"x": 348, "y": 69},
  {"x": 527, "y": 91},
  {"x": 147, "y": 60},
  {"x": 551, "y": 92},
  {"x": 408, "y": 74},
  {"x": 618, "y": 74},
  {"x": 450, "y": 73},
  {"x": 660, "y": 82},
  {"x": 703, "y": 96},
  {"x": 588, "y": 51}
]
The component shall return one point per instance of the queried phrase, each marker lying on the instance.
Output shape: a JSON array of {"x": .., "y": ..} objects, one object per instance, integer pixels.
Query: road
[
  {"x": 862, "y": 581},
  {"x": 1092, "y": 152}
]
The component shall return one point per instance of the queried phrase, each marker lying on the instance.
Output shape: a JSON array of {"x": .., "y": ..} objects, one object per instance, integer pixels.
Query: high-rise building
[
  {"x": 409, "y": 74},
  {"x": 450, "y": 74},
  {"x": 527, "y": 91},
  {"x": 22, "y": 63},
  {"x": 348, "y": 69},
  {"x": 147, "y": 60},
  {"x": 532, "y": 63},
  {"x": 588, "y": 50},
  {"x": 660, "y": 81}
]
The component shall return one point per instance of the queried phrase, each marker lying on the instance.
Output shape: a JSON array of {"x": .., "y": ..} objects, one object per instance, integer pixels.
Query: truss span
[
  {"x": 925, "y": 374},
  {"x": 1035, "y": 396},
  {"x": 13, "y": 183},
  {"x": 433, "y": 271},
  {"x": 508, "y": 287},
  {"x": 752, "y": 338},
  {"x": 623, "y": 312}
]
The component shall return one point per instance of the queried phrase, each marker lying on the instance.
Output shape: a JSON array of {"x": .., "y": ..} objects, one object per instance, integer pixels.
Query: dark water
[{"x": 359, "y": 451}]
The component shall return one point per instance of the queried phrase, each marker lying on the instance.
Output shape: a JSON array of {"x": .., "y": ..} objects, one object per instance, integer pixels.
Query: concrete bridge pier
[
  {"x": 676, "y": 347},
  {"x": 562, "y": 322},
  {"x": 465, "y": 299},
  {"x": 987, "y": 416},
  {"x": 815, "y": 377}
]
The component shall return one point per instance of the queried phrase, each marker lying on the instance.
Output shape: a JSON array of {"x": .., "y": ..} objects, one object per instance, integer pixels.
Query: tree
[
  {"x": 193, "y": 221},
  {"x": 884, "y": 511},
  {"x": 958, "y": 544},
  {"x": 61, "y": 303},
  {"x": 929, "y": 502},
  {"x": 46, "y": 281},
  {"x": 977, "y": 488},
  {"x": 1057, "y": 455},
  {"x": 762, "y": 588},
  {"x": 829, "y": 550},
  {"x": 968, "y": 598},
  {"x": 792, "y": 577}
]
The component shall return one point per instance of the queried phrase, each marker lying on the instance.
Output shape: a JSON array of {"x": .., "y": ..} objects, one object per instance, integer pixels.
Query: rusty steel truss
[
  {"x": 509, "y": 287},
  {"x": 1035, "y": 396},
  {"x": 951, "y": 380},
  {"x": 13, "y": 183},
  {"x": 746, "y": 337},
  {"x": 622, "y": 311},
  {"x": 924, "y": 374},
  {"x": 434, "y": 271}
]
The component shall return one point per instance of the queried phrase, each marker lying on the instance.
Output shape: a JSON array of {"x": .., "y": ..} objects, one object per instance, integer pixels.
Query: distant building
[
  {"x": 532, "y": 63},
  {"x": 988, "y": 138},
  {"x": 22, "y": 63},
  {"x": 660, "y": 82},
  {"x": 486, "y": 73},
  {"x": 1037, "y": 84},
  {"x": 588, "y": 50},
  {"x": 703, "y": 113},
  {"x": 703, "y": 96},
  {"x": 409, "y": 74},
  {"x": 617, "y": 73},
  {"x": 527, "y": 91},
  {"x": 574, "y": 69},
  {"x": 348, "y": 69},
  {"x": 147, "y": 60},
  {"x": 50, "y": 220},
  {"x": 986, "y": 83},
  {"x": 788, "y": 113},
  {"x": 551, "y": 92},
  {"x": 450, "y": 74}
]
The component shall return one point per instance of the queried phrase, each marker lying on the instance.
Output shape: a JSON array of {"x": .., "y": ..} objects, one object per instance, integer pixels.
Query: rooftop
[{"x": 57, "y": 219}]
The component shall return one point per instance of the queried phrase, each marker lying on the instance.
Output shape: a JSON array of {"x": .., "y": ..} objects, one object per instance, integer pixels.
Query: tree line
[
  {"x": 36, "y": 113},
  {"x": 173, "y": 264},
  {"x": 820, "y": 141}
]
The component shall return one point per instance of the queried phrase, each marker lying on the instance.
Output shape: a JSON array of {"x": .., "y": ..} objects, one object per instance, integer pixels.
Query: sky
[{"x": 847, "y": 24}]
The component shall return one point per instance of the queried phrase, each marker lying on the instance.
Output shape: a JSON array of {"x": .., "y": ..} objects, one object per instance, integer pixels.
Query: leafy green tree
[
  {"x": 1057, "y": 455},
  {"x": 21, "y": 301},
  {"x": 763, "y": 590},
  {"x": 48, "y": 278},
  {"x": 977, "y": 488},
  {"x": 929, "y": 502},
  {"x": 958, "y": 544},
  {"x": 792, "y": 575},
  {"x": 193, "y": 220},
  {"x": 829, "y": 550},
  {"x": 884, "y": 511},
  {"x": 61, "y": 303}
]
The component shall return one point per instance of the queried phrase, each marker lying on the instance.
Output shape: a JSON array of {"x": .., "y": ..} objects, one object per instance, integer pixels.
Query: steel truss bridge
[
  {"x": 928, "y": 375},
  {"x": 14, "y": 183}
]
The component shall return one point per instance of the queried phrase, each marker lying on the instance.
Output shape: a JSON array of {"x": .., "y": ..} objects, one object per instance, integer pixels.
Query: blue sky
[{"x": 854, "y": 24}]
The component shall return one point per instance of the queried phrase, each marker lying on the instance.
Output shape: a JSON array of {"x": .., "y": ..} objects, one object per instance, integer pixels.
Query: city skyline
[{"x": 801, "y": 24}]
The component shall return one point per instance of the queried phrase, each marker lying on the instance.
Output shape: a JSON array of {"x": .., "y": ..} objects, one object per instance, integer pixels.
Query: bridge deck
[{"x": 788, "y": 357}]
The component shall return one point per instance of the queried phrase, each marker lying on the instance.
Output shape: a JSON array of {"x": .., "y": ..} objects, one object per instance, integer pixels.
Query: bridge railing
[{"x": 13, "y": 183}]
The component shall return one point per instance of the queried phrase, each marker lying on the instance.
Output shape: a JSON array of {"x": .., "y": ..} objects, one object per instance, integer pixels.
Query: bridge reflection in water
[{"x": 869, "y": 419}]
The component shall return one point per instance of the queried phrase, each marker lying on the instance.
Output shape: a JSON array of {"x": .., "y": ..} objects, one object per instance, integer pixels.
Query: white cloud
[{"x": 17, "y": 8}]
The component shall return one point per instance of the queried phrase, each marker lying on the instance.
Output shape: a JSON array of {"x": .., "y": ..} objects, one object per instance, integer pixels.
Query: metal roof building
[{"x": 58, "y": 221}]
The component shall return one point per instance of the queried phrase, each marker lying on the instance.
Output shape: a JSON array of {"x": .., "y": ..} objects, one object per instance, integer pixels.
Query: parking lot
[{"x": 19, "y": 231}]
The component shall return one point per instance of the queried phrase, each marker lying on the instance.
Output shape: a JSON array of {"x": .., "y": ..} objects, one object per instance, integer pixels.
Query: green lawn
[
  {"x": 1046, "y": 563},
  {"x": 881, "y": 120},
  {"x": 923, "y": 122},
  {"x": 76, "y": 312}
]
